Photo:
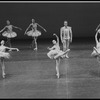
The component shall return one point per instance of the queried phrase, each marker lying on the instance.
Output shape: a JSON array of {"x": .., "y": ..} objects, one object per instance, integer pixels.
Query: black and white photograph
[{"x": 50, "y": 49}]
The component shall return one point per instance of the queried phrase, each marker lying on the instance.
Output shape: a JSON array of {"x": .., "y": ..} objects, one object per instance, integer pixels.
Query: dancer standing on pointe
[
  {"x": 66, "y": 36},
  {"x": 56, "y": 53},
  {"x": 34, "y": 32},
  {"x": 9, "y": 33},
  {"x": 4, "y": 55}
]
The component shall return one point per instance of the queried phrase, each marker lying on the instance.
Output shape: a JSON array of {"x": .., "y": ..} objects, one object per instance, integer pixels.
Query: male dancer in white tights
[{"x": 66, "y": 36}]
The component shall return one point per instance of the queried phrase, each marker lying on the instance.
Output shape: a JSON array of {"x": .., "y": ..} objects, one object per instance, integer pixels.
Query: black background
[{"x": 82, "y": 17}]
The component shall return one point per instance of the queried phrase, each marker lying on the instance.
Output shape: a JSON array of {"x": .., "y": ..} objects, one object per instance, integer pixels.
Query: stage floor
[{"x": 31, "y": 74}]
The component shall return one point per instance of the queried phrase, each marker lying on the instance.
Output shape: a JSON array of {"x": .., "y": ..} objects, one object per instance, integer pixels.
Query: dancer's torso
[
  {"x": 34, "y": 26},
  {"x": 56, "y": 47},
  {"x": 65, "y": 32},
  {"x": 2, "y": 48},
  {"x": 9, "y": 28}
]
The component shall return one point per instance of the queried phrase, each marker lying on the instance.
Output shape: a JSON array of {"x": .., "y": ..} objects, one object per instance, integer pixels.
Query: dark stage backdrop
[{"x": 82, "y": 17}]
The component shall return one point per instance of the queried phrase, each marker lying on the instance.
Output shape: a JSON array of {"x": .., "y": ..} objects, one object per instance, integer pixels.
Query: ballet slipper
[
  {"x": 3, "y": 75},
  {"x": 35, "y": 48},
  {"x": 67, "y": 56},
  {"x": 58, "y": 75}
]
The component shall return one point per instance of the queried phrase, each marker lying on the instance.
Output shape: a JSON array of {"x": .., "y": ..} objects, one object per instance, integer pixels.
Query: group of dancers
[
  {"x": 8, "y": 32},
  {"x": 54, "y": 52}
]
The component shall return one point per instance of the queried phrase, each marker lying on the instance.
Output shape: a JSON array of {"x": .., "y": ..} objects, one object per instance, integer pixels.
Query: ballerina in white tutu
[
  {"x": 56, "y": 53},
  {"x": 96, "y": 50},
  {"x": 4, "y": 55},
  {"x": 9, "y": 33},
  {"x": 34, "y": 32}
]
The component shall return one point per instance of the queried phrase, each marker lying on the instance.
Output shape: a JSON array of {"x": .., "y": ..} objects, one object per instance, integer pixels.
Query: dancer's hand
[
  {"x": 45, "y": 30},
  {"x": 54, "y": 34}
]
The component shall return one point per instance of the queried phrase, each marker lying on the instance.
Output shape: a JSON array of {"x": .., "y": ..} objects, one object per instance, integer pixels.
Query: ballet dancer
[
  {"x": 34, "y": 32},
  {"x": 9, "y": 32},
  {"x": 4, "y": 55},
  {"x": 96, "y": 50},
  {"x": 66, "y": 36},
  {"x": 56, "y": 53}
]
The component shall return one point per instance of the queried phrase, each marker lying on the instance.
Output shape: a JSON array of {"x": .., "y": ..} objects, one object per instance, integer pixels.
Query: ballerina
[
  {"x": 4, "y": 55},
  {"x": 9, "y": 33},
  {"x": 34, "y": 32},
  {"x": 56, "y": 53}
]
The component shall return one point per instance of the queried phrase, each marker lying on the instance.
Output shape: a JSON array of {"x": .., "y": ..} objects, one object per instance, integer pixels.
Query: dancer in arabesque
[{"x": 56, "y": 54}]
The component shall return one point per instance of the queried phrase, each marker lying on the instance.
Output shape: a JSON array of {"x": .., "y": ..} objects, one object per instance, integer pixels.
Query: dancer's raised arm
[
  {"x": 57, "y": 38},
  {"x": 96, "y": 37},
  {"x": 42, "y": 27}
]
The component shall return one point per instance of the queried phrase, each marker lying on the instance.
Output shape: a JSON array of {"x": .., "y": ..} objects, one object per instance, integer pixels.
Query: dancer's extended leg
[{"x": 61, "y": 54}]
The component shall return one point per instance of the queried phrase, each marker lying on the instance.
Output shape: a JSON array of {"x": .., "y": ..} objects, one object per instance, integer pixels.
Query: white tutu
[
  {"x": 9, "y": 34},
  {"x": 35, "y": 33},
  {"x": 95, "y": 54},
  {"x": 4, "y": 54},
  {"x": 52, "y": 53}
]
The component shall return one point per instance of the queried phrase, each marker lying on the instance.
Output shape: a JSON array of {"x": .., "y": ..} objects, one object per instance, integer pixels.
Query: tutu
[
  {"x": 9, "y": 34},
  {"x": 35, "y": 33},
  {"x": 95, "y": 54},
  {"x": 4, "y": 55},
  {"x": 51, "y": 54}
]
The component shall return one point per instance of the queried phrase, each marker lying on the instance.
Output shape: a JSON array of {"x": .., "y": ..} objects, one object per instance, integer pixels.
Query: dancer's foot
[
  {"x": 3, "y": 75},
  {"x": 67, "y": 56},
  {"x": 58, "y": 75},
  {"x": 35, "y": 48}
]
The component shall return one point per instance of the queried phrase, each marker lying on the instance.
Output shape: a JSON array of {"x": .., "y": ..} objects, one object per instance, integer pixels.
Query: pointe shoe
[
  {"x": 67, "y": 56},
  {"x": 35, "y": 48},
  {"x": 57, "y": 75},
  {"x": 3, "y": 75}
]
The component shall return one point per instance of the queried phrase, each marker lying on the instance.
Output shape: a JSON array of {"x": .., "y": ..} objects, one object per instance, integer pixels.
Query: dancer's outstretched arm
[
  {"x": 57, "y": 38},
  {"x": 27, "y": 29},
  {"x": 53, "y": 47},
  {"x": 16, "y": 27},
  {"x": 10, "y": 49},
  {"x": 42, "y": 27},
  {"x": 3, "y": 29},
  {"x": 96, "y": 37}
]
